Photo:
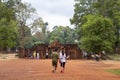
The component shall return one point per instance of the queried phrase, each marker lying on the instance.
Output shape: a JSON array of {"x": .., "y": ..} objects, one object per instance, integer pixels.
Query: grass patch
[
  {"x": 114, "y": 71},
  {"x": 114, "y": 56}
]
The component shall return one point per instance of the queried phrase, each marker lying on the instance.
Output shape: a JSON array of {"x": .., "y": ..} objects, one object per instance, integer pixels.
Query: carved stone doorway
[{"x": 55, "y": 45}]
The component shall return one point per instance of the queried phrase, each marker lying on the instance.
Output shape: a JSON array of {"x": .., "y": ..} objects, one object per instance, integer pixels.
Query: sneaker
[
  {"x": 53, "y": 71},
  {"x": 61, "y": 71}
]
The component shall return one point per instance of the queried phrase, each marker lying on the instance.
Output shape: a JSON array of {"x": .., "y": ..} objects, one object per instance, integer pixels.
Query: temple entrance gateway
[{"x": 71, "y": 49}]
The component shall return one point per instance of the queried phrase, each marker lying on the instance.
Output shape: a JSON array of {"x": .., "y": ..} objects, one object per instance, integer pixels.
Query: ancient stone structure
[{"x": 71, "y": 49}]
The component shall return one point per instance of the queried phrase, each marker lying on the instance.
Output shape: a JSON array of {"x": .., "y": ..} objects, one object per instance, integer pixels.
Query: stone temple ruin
[{"x": 71, "y": 49}]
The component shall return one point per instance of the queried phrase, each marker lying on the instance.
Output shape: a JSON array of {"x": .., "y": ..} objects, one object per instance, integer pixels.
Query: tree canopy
[
  {"x": 97, "y": 34},
  {"x": 97, "y": 25},
  {"x": 64, "y": 34},
  {"x": 8, "y": 27},
  {"x": 97, "y": 14}
]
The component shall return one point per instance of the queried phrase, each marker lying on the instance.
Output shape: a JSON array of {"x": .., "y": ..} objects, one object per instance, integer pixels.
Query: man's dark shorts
[{"x": 54, "y": 63}]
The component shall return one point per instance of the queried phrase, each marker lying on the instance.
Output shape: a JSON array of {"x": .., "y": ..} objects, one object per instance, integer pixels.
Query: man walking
[{"x": 55, "y": 58}]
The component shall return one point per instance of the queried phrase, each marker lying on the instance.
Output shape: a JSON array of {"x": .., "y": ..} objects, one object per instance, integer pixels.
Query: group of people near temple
[
  {"x": 95, "y": 56},
  {"x": 59, "y": 57},
  {"x": 37, "y": 55}
]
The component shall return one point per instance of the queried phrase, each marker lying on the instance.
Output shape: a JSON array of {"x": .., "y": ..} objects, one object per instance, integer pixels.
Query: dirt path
[{"x": 26, "y": 69}]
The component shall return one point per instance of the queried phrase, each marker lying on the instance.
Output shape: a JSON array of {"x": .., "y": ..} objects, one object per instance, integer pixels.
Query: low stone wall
[{"x": 8, "y": 56}]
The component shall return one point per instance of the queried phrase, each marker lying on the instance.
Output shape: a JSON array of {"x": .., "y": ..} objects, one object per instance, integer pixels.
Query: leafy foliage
[
  {"x": 8, "y": 33},
  {"x": 8, "y": 27},
  {"x": 97, "y": 34},
  {"x": 65, "y": 35},
  {"x": 109, "y": 10}
]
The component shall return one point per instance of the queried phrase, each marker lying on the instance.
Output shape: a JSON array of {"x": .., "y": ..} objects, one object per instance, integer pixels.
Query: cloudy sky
[{"x": 55, "y": 12}]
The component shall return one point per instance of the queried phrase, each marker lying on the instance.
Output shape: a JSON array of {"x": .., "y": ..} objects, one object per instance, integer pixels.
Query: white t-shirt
[
  {"x": 60, "y": 54},
  {"x": 62, "y": 57},
  {"x": 46, "y": 53}
]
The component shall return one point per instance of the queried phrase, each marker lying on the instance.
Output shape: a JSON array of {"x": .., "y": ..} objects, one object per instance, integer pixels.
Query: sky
[{"x": 55, "y": 12}]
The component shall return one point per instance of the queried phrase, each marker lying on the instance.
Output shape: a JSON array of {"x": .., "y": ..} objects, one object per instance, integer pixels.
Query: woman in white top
[{"x": 63, "y": 58}]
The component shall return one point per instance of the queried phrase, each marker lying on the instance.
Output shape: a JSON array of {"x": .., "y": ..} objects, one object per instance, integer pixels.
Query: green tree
[
  {"x": 98, "y": 34},
  {"x": 39, "y": 29},
  {"x": 8, "y": 27},
  {"x": 106, "y": 8},
  {"x": 82, "y": 7},
  {"x": 65, "y": 35},
  {"x": 6, "y": 12},
  {"x": 110, "y": 9},
  {"x": 8, "y": 33},
  {"x": 24, "y": 14}
]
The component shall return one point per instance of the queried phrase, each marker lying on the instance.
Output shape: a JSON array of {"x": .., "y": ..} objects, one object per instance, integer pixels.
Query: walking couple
[{"x": 61, "y": 57}]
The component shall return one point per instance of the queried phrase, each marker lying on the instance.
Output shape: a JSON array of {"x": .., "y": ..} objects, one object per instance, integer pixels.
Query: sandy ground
[{"x": 31, "y": 69}]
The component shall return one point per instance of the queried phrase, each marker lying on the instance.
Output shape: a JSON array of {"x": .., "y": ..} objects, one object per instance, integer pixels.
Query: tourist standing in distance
[
  {"x": 34, "y": 54},
  {"x": 38, "y": 55},
  {"x": 55, "y": 58},
  {"x": 46, "y": 55}
]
